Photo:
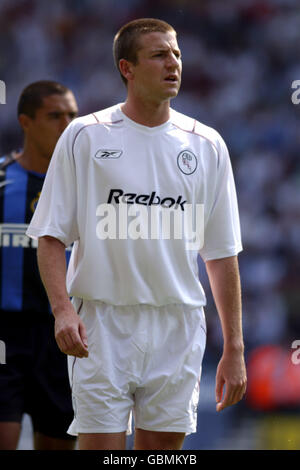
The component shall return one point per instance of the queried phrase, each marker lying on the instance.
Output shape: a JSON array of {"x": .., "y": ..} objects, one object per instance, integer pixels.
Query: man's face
[
  {"x": 157, "y": 74},
  {"x": 49, "y": 122}
]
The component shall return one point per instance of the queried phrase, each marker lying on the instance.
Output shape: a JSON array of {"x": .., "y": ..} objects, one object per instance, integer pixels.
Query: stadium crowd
[{"x": 239, "y": 61}]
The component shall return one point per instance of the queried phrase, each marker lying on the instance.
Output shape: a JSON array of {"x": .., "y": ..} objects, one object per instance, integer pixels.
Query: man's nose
[
  {"x": 64, "y": 122},
  {"x": 172, "y": 61}
]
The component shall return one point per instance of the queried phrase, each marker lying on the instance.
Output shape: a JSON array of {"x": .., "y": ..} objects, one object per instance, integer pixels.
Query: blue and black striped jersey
[{"x": 21, "y": 288}]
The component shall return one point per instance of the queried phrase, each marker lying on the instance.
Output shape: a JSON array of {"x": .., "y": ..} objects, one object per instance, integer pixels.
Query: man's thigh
[
  {"x": 166, "y": 399},
  {"x": 128, "y": 367},
  {"x": 103, "y": 383}
]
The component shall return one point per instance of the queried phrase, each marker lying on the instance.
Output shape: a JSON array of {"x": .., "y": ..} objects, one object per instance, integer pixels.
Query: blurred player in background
[
  {"x": 135, "y": 331},
  {"x": 34, "y": 379}
]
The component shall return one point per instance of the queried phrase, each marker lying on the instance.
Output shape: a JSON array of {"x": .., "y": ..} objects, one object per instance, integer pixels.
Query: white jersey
[{"x": 105, "y": 160}]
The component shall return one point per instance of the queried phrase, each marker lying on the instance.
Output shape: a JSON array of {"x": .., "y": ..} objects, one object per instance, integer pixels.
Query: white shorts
[{"x": 142, "y": 359}]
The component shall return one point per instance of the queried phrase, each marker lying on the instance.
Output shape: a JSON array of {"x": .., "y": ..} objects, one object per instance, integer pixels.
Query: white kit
[{"x": 111, "y": 179}]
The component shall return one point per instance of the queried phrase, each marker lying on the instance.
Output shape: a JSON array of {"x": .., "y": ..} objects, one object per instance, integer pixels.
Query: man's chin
[{"x": 173, "y": 94}]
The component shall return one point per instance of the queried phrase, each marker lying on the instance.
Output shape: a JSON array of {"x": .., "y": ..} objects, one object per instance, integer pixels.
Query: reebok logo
[
  {"x": 106, "y": 153},
  {"x": 117, "y": 196}
]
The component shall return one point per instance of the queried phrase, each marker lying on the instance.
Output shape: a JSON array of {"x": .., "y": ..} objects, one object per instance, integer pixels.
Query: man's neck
[
  {"x": 145, "y": 113},
  {"x": 31, "y": 160}
]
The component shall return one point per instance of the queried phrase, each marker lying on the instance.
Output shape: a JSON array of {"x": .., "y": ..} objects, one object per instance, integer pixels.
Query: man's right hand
[{"x": 70, "y": 333}]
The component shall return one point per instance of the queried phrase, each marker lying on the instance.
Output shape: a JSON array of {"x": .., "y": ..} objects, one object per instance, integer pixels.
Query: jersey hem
[
  {"x": 133, "y": 304},
  {"x": 97, "y": 430},
  {"x": 187, "y": 430}
]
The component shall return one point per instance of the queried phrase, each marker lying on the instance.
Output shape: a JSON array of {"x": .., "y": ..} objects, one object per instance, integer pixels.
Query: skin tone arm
[
  {"x": 70, "y": 331},
  {"x": 224, "y": 280}
]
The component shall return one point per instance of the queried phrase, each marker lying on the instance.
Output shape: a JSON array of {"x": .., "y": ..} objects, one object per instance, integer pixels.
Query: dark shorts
[{"x": 34, "y": 379}]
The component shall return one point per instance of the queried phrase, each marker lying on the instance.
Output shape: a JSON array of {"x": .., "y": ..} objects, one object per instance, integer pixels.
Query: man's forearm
[
  {"x": 70, "y": 331},
  {"x": 225, "y": 284},
  {"x": 231, "y": 372},
  {"x": 52, "y": 266}
]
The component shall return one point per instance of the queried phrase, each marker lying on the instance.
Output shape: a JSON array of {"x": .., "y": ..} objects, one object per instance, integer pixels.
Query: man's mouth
[{"x": 171, "y": 78}]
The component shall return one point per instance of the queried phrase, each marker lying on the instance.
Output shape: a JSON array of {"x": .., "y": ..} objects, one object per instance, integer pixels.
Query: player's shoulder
[
  {"x": 197, "y": 128},
  {"x": 109, "y": 115}
]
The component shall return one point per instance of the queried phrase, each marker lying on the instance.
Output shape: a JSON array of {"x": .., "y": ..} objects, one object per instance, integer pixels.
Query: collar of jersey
[{"x": 147, "y": 130}]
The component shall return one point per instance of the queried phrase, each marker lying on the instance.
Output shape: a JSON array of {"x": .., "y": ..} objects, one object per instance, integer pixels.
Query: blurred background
[{"x": 240, "y": 58}]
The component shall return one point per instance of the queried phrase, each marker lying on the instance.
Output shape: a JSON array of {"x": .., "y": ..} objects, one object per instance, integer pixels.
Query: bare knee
[
  {"x": 9, "y": 435},
  {"x": 43, "y": 442},
  {"x": 102, "y": 441},
  {"x": 153, "y": 440}
]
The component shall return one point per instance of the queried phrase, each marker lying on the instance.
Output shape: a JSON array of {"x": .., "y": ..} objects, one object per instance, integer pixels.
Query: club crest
[{"x": 187, "y": 162}]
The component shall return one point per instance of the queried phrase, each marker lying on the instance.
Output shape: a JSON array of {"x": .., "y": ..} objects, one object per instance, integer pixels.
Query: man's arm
[
  {"x": 224, "y": 280},
  {"x": 70, "y": 331}
]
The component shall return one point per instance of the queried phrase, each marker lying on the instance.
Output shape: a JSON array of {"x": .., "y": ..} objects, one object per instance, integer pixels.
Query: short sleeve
[
  {"x": 56, "y": 211},
  {"x": 222, "y": 234}
]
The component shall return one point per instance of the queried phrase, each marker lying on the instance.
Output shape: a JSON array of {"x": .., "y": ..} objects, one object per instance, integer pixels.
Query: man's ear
[
  {"x": 24, "y": 121},
  {"x": 126, "y": 69}
]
